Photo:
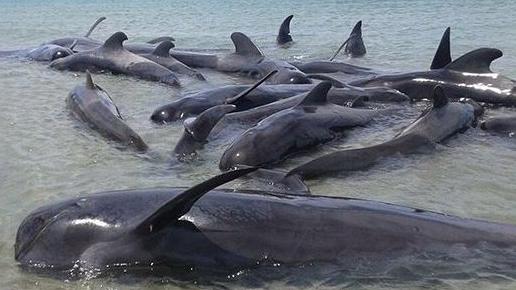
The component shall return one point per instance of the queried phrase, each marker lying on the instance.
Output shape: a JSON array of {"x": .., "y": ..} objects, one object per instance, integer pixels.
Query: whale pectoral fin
[
  {"x": 244, "y": 45},
  {"x": 440, "y": 99},
  {"x": 97, "y": 22},
  {"x": 442, "y": 56},
  {"x": 163, "y": 49},
  {"x": 175, "y": 208},
  {"x": 476, "y": 61},
  {"x": 233, "y": 99},
  {"x": 317, "y": 95}
]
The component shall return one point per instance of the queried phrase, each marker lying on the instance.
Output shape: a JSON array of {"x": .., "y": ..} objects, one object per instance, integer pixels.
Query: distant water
[{"x": 47, "y": 156}]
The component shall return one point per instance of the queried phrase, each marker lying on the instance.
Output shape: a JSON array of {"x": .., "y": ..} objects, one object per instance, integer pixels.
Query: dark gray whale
[
  {"x": 112, "y": 56},
  {"x": 313, "y": 121},
  {"x": 468, "y": 76},
  {"x": 436, "y": 124},
  {"x": 195, "y": 103},
  {"x": 91, "y": 104},
  {"x": 284, "y": 37},
  {"x": 247, "y": 60},
  {"x": 227, "y": 231}
]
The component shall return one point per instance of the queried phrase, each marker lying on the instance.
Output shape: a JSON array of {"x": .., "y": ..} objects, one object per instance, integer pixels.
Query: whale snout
[
  {"x": 231, "y": 158},
  {"x": 166, "y": 114},
  {"x": 290, "y": 76},
  {"x": 239, "y": 154}
]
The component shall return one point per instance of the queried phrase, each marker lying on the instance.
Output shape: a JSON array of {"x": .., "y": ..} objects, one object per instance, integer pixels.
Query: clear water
[{"x": 47, "y": 155}]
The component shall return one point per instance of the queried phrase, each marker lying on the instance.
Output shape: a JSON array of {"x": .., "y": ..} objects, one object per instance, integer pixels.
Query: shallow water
[{"x": 47, "y": 155}]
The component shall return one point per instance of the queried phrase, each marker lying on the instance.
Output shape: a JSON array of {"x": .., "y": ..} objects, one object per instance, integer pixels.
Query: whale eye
[{"x": 60, "y": 54}]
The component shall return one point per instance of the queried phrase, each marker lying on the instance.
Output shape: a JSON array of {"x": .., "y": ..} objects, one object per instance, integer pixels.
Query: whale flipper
[
  {"x": 284, "y": 31},
  {"x": 163, "y": 49},
  {"x": 244, "y": 45},
  {"x": 317, "y": 95},
  {"x": 172, "y": 210},
  {"x": 89, "y": 81},
  {"x": 439, "y": 98},
  {"x": 250, "y": 89},
  {"x": 94, "y": 26},
  {"x": 161, "y": 39},
  {"x": 442, "y": 56},
  {"x": 115, "y": 41},
  {"x": 476, "y": 61}
]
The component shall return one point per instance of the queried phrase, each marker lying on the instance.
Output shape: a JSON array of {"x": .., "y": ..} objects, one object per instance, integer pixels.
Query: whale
[
  {"x": 112, "y": 56},
  {"x": 161, "y": 55},
  {"x": 505, "y": 125},
  {"x": 193, "y": 104},
  {"x": 468, "y": 76},
  {"x": 246, "y": 60},
  {"x": 223, "y": 231},
  {"x": 93, "y": 105},
  {"x": 311, "y": 122},
  {"x": 354, "y": 45},
  {"x": 284, "y": 37},
  {"x": 436, "y": 124},
  {"x": 42, "y": 53}
]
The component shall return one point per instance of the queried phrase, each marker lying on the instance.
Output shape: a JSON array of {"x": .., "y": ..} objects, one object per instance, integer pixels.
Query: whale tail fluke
[{"x": 442, "y": 56}]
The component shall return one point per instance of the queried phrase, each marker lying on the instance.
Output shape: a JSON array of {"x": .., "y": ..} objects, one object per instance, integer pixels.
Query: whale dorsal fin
[
  {"x": 476, "y": 61},
  {"x": 115, "y": 41},
  {"x": 161, "y": 39},
  {"x": 284, "y": 31},
  {"x": 200, "y": 127},
  {"x": 244, "y": 45},
  {"x": 442, "y": 56},
  {"x": 439, "y": 97},
  {"x": 178, "y": 206},
  {"x": 317, "y": 95},
  {"x": 97, "y": 22},
  {"x": 163, "y": 49},
  {"x": 89, "y": 81},
  {"x": 357, "y": 29}
]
